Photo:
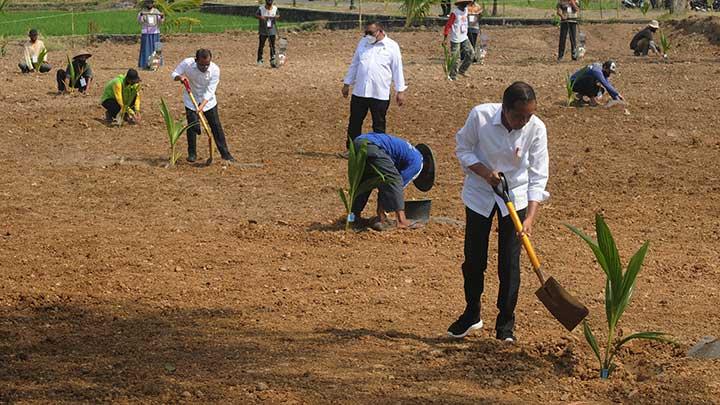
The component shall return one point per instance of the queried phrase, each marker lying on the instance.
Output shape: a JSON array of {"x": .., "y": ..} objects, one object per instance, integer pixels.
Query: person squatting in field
[
  {"x": 400, "y": 163},
  {"x": 499, "y": 138},
  {"x": 644, "y": 41},
  {"x": 113, "y": 97},
  {"x": 593, "y": 80},
  {"x": 31, "y": 53},
  {"x": 83, "y": 74}
]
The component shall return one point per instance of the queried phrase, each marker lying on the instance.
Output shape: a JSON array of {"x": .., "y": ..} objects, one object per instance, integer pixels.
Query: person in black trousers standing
[
  {"x": 202, "y": 75},
  {"x": 483, "y": 152},
  {"x": 567, "y": 10},
  {"x": 376, "y": 64},
  {"x": 267, "y": 16}
]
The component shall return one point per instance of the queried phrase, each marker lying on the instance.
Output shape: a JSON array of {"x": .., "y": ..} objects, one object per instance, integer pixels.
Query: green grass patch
[{"x": 55, "y": 23}]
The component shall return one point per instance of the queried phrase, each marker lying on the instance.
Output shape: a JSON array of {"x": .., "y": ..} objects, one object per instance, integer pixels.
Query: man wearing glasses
[
  {"x": 375, "y": 65},
  {"x": 497, "y": 138},
  {"x": 203, "y": 75}
]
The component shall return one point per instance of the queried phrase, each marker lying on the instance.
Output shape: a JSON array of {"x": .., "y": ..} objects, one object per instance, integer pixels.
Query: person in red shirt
[{"x": 456, "y": 29}]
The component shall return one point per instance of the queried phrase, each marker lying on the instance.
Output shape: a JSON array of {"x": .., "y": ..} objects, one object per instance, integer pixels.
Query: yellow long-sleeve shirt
[{"x": 114, "y": 89}]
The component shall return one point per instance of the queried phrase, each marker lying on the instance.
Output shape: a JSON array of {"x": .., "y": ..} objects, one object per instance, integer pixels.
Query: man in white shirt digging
[
  {"x": 496, "y": 138},
  {"x": 375, "y": 65},
  {"x": 204, "y": 76}
]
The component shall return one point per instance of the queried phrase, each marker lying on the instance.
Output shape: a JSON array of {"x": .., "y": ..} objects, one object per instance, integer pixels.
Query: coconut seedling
[
  {"x": 664, "y": 44},
  {"x": 72, "y": 76},
  {"x": 3, "y": 45},
  {"x": 358, "y": 183},
  {"x": 40, "y": 59},
  {"x": 175, "y": 129},
  {"x": 450, "y": 59},
  {"x": 619, "y": 287},
  {"x": 645, "y": 7},
  {"x": 569, "y": 89},
  {"x": 129, "y": 93}
]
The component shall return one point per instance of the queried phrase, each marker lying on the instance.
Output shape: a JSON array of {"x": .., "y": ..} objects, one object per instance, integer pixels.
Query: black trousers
[
  {"x": 213, "y": 119},
  {"x": 588, "y": 86},
  {"x": 446, "y": 6},
  {"x": 113, "y": 108},
  {"x": 359, "y": 107},
  {"x": 477, "y": 235},
  {"x": 261, "y": 46},
  {"x": 565, "y": 28},
  {"x": 390, "y": 194},
  {"x": 61, "y": 76},
  {"x": 642, "y": 48}
]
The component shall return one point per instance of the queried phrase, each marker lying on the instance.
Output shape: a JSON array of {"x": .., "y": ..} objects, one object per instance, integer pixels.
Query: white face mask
[{"x": 371, "y": 39}]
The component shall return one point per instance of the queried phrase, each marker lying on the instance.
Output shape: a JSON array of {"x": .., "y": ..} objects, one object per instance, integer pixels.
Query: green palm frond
[
  {"x": 358, "y": 182},
  {"x": 174, "y": 128},
  {"x": 619, "y": 287},
  {"x": 415, "y": 10}
]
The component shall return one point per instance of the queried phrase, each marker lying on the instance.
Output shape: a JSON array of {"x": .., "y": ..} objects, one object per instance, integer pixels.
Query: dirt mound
[{"x": 708, "y": 26}]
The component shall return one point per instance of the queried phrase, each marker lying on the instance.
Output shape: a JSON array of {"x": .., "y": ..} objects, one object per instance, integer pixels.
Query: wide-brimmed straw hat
[
  {"x": 425, "y": 180},
  {"x": 654, "y": 24},
  {"x": 82, "y": 53}
]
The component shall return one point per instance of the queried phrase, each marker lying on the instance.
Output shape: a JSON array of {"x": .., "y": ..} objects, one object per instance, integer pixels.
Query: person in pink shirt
[{"x": 150, "y": 19}]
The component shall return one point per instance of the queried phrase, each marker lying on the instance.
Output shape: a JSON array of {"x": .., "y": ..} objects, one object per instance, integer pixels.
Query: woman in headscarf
[{"x": 150, "y": 19}]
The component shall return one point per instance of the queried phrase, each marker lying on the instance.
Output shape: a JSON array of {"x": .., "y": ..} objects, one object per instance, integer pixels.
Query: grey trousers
[
  {"x": 390, "y": 194},
  {"x": 467, "y": 54}
]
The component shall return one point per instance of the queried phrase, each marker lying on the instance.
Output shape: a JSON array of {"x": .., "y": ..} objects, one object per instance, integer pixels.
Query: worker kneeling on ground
[
  {"x": 122, "y": 92},
  {"x": 400, "y": 163},
  {"x": 593, "y": 80},
  {"x": 644, "y": 40}
]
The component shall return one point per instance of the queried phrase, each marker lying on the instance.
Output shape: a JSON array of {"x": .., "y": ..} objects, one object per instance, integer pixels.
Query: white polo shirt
[
  {"x": 374, "y": 67},
  {"x": 202, "y": 84},
  {"x": 522, "y": 155}
]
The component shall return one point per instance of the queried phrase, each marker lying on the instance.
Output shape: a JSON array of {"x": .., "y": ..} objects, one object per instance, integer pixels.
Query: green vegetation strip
[{"x": 120, "y": 22}]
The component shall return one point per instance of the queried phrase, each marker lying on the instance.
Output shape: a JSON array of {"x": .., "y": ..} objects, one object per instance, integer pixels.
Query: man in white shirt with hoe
[
  {"x": 203, "y": 75},
  {"x": 375, "y": 65},
  {"x": 496, "y": 139}
]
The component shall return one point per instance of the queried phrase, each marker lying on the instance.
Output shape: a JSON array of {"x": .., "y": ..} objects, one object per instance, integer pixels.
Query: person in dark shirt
[
  {"x": 644, "y": 40},
  {"x": 400, "y": 163},
  {"x": 83, "y": 74},
  {"x": 592, "y": 81}
]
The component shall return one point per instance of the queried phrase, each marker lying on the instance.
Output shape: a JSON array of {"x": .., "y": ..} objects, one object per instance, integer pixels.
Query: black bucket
[{"x": 418, "y": 210}]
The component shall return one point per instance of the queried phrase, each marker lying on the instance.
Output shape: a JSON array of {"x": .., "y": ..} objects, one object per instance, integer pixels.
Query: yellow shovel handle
[{"x": 525, "y": 241}]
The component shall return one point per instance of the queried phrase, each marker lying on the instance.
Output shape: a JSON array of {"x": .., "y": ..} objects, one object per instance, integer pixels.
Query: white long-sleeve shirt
[
  {"x": 522, "y": 155},
  {"x": 374, "y": 67},
  {"x": 202, "y": 84}
]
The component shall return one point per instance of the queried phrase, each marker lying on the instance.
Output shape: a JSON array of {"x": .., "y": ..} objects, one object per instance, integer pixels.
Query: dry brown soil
[{"x": 123, "y": 280}]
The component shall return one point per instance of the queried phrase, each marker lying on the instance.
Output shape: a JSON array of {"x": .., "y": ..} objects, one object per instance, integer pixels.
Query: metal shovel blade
[{"x": 563, "y": 306}]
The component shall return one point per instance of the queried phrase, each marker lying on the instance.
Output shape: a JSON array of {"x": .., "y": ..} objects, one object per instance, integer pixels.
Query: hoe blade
[{"x": 563, "y": 306}]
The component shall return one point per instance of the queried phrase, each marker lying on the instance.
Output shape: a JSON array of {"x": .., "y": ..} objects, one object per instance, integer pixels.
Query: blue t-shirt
[
  {"x": 408, "y": 160},
  {"x": 595, "y": 70}
]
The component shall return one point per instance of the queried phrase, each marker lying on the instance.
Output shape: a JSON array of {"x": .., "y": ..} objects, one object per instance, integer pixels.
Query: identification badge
[
  {"x": 83, "y": 82},
  {"x": 269, "y": 23},
  {"x": 151, "y": 19},
  {"x": 472, "y": 18}
]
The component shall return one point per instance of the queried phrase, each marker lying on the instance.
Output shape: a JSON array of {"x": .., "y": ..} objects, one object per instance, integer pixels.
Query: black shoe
[
  {"x": 229, "y": 159},
  {"x": 191, "y": 158},
  {"x": 108, "y": 117},
  {"x": 506, "y": 337},
  {"x": 460, "y": 328}
]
